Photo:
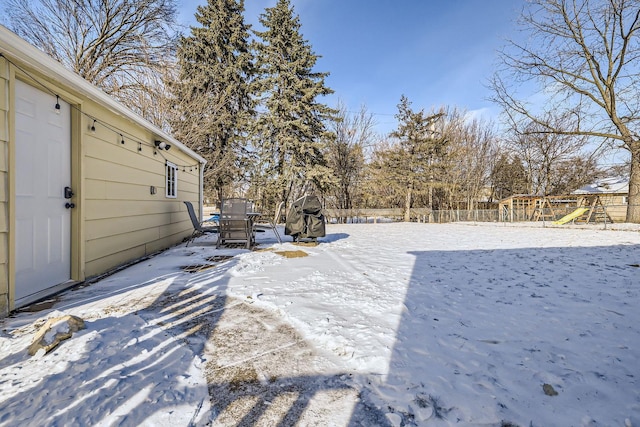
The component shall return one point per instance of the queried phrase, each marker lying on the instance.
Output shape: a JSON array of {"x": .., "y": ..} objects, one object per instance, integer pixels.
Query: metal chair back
[{"x": 235, "y": 225}]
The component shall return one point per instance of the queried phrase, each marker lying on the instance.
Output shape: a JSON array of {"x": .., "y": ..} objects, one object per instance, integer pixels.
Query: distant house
[
  {"x": 86, "y": 185},
  {"x": 607, "y": 186}
]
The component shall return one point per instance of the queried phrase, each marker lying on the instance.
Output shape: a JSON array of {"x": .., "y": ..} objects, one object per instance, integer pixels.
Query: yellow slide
[{"x": 573, "y": 215}]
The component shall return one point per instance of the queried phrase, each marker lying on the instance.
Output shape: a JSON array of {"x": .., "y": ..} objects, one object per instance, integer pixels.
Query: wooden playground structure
[{"x": 575, "y": 208}]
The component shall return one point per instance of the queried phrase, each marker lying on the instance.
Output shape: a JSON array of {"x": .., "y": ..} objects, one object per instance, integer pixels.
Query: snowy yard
[{"x": 380, "y": 324}]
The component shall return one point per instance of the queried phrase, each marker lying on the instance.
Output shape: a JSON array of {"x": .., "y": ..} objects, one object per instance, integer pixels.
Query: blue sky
[{"x": 436, "y": 52}]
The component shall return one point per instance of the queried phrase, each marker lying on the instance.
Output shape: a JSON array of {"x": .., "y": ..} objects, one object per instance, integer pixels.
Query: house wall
[
  {"x": 123, "y": 220},
  {"x": 4, "y": 190},
  {"x": 116, "y": 219}
]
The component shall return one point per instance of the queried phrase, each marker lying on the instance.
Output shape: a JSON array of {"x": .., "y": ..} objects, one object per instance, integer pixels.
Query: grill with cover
[{"x": 305, "y": 219}]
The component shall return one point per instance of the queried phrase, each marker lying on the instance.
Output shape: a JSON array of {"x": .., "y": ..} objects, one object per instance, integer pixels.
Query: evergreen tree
[
  {"x": 417, "y": 163},
  {"x": 509, "y": 178},
  {"x": 291, "y": 135},
  {"x": 213, "y": 98}
]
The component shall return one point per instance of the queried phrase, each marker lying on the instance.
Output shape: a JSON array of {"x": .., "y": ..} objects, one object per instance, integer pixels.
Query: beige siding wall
[
  {"x": 116, "y": 218},
  {"x": 123, "y": 219},
  {"x": 616, "y": 206},
  {"x": 4, "y": 190}
]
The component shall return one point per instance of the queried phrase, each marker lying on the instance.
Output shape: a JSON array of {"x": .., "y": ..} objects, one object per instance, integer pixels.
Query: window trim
[{"x": 171, "y": 180}]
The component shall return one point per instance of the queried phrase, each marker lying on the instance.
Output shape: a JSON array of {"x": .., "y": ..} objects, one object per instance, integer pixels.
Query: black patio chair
[{"x": 198, "y": 228}]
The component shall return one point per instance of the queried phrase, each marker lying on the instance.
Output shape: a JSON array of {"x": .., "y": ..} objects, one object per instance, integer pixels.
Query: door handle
[
  {"x": 69, "y": 205},
  {"x": 68, "y": 193}
]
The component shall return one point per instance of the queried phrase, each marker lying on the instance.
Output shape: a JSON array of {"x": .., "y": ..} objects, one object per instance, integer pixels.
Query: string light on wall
[{"x": 159, "y": 147}]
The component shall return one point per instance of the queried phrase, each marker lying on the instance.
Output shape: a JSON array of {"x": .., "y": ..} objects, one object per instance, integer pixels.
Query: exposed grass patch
[
  {"x": 310, "y": 244},
  {"x": 292, "y": 254}
]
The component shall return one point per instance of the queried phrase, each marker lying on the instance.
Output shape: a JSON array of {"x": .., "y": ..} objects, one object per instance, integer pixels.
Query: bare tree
[
  {"x": 474, "y": 145},
  {"x": 120, "y": 46},
  {"x": 544, "y": 153},
  {"x": 585, "y": 54},
  {"x": 151, "y": 99},
  {"x": 382, "y": 188},
  {"x": 345, "y": 155},
  {"x": 574, "y": 173}
]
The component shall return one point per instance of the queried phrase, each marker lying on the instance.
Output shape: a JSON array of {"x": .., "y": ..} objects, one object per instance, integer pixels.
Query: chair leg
[
  {"x": 249, "y": 237},
  {"x": 275, "y": 231},
  {"x": 193, "y": 236},
  {"x": 275, "y": 228}
]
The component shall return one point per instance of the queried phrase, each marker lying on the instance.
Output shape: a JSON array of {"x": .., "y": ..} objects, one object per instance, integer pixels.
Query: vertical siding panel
[{"x": 4, "y": 191}]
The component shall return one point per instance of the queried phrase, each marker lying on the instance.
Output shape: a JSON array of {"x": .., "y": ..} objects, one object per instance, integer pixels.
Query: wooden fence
[{"x": 614, "y": 213}]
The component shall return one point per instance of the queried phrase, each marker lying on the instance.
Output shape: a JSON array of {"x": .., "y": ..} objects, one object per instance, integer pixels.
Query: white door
[{"x": 43, "y": 170}]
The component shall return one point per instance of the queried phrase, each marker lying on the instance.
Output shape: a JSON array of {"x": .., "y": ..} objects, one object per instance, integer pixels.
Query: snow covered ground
[{"x": 380, "y": 324}]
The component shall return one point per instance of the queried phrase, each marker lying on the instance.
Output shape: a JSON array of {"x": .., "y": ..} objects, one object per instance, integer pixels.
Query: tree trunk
[
  {"x": 220, "y": 195},
  {"x": 407, "y": 206},
  {"x": 633, "y": 202}
]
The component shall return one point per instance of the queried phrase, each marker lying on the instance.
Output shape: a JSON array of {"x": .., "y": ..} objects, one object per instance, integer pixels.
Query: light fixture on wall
[
  {"x": 121, "y": 139},
  {"x": 57, "y": 104},
  {"x": 161, "y": 145},
  {"x": 93, "y": 126}
]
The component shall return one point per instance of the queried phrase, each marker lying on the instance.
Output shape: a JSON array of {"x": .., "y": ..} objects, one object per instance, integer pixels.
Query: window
[{"x": 172, "y": 180}]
